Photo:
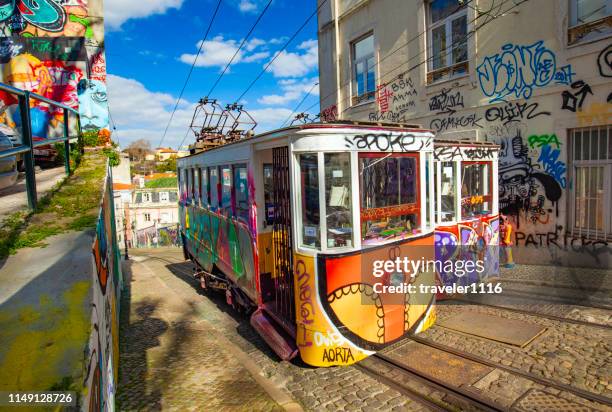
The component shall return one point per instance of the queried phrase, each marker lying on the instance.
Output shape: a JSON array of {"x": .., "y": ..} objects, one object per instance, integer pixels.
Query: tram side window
[
  {"x": 189, "y": 185},
  {"x": 241, "y": 193},
  {"x": 196, "y": 185},
  {"x": 448, "y": 199},
  {"x": 338, "y": 200},
  {"x": 268, "y": 181},
  {"x": 204, "y": 187},
  {"x": 475, "y": 190},
  {"x": 213, "y": 175},
  {"x": 226, "y": 190},
  {"x": 309, "y": 176},
  {"x": 389, "y": 207},
  {"x": 192, "y": 184},
  {"x": 182, "y": 183}
]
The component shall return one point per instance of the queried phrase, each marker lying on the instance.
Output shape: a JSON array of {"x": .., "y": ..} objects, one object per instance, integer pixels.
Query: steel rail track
[
  {"x": 537, "y": 314},
  {"x": 461, "y": 394},
  {"x": 535, "y": 378}
]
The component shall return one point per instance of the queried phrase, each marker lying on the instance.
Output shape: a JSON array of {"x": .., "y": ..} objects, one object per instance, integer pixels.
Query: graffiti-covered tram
[
  {"x": 291, "y": 224},
  {"x": 466, "y": 212}
]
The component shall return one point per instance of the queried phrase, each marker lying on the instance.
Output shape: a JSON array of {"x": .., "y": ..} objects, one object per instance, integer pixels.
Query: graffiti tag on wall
[
  {"x": 518, "y": 70},
  {"x": 395, "y": 100}
]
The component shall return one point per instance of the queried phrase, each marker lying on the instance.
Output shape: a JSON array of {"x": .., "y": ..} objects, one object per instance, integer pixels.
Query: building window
[
  {"x": 147, "y": 217},
  {"x": 164, "y": 196},
  {"x": 364, "y": 77},
  {"x": 592, "y": 171},
  {"x": 447, "y": 41},
  {"x": 589, "y": 19},
  {"x": 165, "y": 217},
  {"x": 146, "y": 197}
]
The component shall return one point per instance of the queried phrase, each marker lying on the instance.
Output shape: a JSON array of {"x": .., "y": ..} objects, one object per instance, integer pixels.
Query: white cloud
[
  {"x": 219, "y": 51},
  {"x": 289, "y": 64},
  {"x": 117, "y": 12},
  {"x": 247, "y": 6},
  {"x": 255, "y": 57},
  {"x": 292, "y": 90},
  {"x": 215, "y": 52},
  {"x": 142, "y": 114}
]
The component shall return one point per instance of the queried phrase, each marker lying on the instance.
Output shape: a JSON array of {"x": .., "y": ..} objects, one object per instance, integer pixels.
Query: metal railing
[{"x": 28, "y": 144}]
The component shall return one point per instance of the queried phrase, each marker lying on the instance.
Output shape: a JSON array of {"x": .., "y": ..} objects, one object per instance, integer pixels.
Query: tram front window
[
  {"x": 447, "y": 191},
  {"x": 338, "y": 200},
  {"x": 309, "y": 176},
  {"x": 475, "y": 190},
  {"x": 389, "y": 202}
]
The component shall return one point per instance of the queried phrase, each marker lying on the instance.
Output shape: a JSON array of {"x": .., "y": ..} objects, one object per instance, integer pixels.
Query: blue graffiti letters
[
  {"x": 549, "y": 159},
  {"x": 518, "y": 70}
]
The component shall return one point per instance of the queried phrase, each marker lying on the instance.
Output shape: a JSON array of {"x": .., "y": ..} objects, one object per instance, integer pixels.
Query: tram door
[{"x": 282, "y": 243}]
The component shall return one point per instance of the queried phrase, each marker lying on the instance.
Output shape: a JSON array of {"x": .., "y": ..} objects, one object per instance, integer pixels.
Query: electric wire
[
  {"x": 299, "y": 104},
  {"x": 278, "y": 53},
  {"x": 239, "y": 48},
  {"x": 195, "y": 60}
]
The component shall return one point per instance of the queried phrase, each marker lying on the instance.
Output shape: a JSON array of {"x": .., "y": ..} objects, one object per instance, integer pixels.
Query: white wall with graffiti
[
  {"x": 547, "y": 103},
  {"x": 53, "y": 48}
]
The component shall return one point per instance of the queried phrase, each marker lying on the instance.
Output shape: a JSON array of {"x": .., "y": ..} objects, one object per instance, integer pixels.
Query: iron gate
[{"x": 284, "y": 304}]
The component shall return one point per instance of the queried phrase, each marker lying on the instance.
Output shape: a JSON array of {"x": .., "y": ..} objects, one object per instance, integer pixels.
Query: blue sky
[{"x": 150, "y": 48}]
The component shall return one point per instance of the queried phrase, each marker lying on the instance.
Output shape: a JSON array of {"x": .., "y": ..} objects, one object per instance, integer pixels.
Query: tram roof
[
  {"x": 349, "y": 124},
  {"x": 338, "y": 124}
]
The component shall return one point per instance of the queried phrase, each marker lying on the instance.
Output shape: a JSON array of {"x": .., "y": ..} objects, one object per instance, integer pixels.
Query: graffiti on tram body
[
  {"x": 450, "y": 153},
  {"x": 342, "y": 355},
  {"x": 518, "y": 70},
  {"x": 307, "y": 308},
  {"x": 388, "y": 142},
  {"x": 514, "y": 112},
  {"x": 573, "y": 100},
  {"x": 446, "y": 102}
]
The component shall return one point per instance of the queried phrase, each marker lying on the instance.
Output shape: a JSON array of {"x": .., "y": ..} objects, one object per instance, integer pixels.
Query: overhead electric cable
[
  {"x": 281, "y": 51},
  {"x": 239, "y": 48},
  {"x": 195, "y": 60},
  {"x": 301, "y": 102}
]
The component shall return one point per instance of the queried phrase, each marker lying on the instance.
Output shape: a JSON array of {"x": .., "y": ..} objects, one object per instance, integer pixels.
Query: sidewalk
[{"x": 174, "y": 358}]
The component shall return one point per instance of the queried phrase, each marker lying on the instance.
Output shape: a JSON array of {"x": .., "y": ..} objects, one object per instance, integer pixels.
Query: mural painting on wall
[
  {"x": 103, "y": 350},
  {"x": 394, "y": 100},
  {"x": 38, "y": 18},
  {"x": 518, "y": 70},
  {"x": 529, "y": 189},
  {"x": 55, "y": 68}
]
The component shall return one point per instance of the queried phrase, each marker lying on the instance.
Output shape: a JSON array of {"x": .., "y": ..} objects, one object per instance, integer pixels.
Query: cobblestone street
[{"x": 184, "y": 350}]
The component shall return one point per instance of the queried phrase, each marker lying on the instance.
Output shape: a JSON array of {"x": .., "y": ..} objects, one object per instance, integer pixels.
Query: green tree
[{"x": 167, "y": 166}]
